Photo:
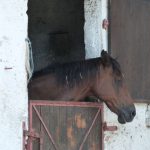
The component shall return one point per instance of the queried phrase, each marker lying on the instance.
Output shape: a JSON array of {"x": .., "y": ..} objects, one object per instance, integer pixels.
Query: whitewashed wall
[
  {"x": 13, "y": 93},
  {"x": 131, "y": 136},
  {"x": 92, "y": 29},
  {"x": 95, "y": 37}
]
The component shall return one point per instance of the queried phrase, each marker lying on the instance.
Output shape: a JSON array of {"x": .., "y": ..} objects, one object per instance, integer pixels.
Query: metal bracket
[
  {"x": 109, "y": 128},
  {"x": 30, "y": 136}
]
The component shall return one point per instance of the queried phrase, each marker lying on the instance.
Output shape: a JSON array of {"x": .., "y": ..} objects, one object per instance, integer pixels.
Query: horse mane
[
  {"x": 116, "y": 67},
  {"x": 74, "y": 72}
]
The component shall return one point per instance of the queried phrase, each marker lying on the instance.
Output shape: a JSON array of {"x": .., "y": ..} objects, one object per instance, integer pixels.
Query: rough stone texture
[{"x": 13, "y": 93}]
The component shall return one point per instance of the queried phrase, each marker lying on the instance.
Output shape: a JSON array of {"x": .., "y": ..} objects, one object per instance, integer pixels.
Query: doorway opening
[{"x": 56, "y": 30}]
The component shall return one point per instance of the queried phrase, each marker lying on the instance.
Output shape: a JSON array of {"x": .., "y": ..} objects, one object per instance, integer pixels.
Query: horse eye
[{"x": 118, "y": 82}]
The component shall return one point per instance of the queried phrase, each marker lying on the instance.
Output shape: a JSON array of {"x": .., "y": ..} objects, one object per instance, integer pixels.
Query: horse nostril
[{"x": 133, "y": 113}]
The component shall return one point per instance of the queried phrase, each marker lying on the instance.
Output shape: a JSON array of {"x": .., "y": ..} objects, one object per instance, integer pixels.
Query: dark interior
[{"x": 56, "y": 30}]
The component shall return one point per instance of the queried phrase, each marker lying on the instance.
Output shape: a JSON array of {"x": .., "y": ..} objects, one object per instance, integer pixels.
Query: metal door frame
[{"x": 31, "y": 134}]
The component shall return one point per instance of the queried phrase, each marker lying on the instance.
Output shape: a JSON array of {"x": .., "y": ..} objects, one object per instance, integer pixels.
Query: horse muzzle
[{"x": 126, "y": 114}]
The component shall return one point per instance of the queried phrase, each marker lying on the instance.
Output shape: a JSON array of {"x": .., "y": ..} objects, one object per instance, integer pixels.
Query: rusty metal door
[
  {"x": 130, "y": 43},
  {"x": 65, "y": 126}
]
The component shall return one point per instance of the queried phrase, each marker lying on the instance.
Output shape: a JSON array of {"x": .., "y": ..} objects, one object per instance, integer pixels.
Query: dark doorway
[{"x": 56, "y": 30}]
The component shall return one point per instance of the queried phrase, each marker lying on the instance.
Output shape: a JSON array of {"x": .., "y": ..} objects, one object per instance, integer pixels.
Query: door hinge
[
  {"x": 29, "y": 136},
  {"x": 109, "y": 128}
]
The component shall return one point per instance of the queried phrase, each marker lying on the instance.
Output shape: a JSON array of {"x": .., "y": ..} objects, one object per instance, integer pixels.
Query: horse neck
[
  {"x": 96, "y": 82},
  {"x": 88, "y": 85}
]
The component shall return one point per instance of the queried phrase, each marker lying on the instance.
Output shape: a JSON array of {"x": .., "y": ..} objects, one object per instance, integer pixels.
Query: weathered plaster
[
  {"x": 95, "y": 37},
  {"x": 131, "y": 136},
  {"x": 13, "y": 93},
  {"x": 92, "y": 28}
]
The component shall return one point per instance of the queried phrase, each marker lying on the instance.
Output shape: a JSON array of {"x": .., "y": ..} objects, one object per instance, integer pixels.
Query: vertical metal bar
[
  {"x": 41, "y": 140},
  {"x": 48, "y": 133},
  {"x": 24, "y": 137},
  {"x": 102, "y": 131},
  {"x": 29, "y": 145},
  {"x": 89, "y": 130}
]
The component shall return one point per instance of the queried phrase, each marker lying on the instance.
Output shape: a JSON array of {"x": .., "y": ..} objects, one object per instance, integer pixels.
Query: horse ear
[{"x": 105, "y": 58}]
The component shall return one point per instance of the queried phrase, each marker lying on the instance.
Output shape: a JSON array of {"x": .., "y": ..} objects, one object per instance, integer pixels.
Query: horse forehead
[{"x": 106, "y": 72}]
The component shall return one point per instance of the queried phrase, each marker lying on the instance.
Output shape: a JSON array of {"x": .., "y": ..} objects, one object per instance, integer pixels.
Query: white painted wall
[
  {"x": 95, "y": 36},
  {"x": 131, "y": 136},
  {"x": 92, "y": 28},
  {"x": 13, "y": 93},
  {"x": 104, "y": 33}
]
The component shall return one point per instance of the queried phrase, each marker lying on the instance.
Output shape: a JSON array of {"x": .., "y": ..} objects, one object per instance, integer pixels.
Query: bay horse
[{"x": 99, "y": 77}]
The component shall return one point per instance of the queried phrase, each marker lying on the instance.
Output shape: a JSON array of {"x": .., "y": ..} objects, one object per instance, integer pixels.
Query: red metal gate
[{"x": 65, "y": 126}]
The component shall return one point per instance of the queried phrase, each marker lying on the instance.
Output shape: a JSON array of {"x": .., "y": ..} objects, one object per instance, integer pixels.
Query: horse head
[{"x": 111, "y": 88}]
